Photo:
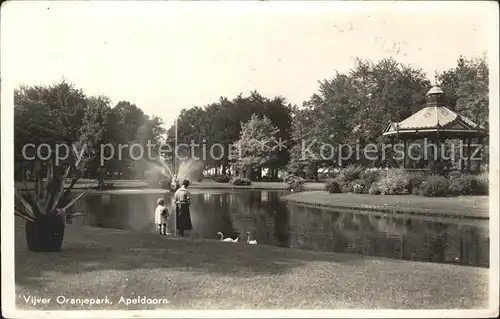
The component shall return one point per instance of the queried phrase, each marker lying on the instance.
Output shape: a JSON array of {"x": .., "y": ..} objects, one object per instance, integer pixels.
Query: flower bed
[{"x": 355, "y": 179}]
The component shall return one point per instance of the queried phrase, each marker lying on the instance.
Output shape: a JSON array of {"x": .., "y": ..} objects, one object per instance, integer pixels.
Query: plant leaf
[
  {"x": 60, "y": 190},
  {"x": 29, "y": 194},
  {"x": 24, "y": 216},
  {"x": 73, "y": 215},
  {"x": 68, "y": 190},
  {"x": 62, "y": 213},
  {"x": 39, "y": 189},
  {"x": 48, "y": 189},
  {"x": 74, "y": 200},
  {"x": 27, "y": 207}
]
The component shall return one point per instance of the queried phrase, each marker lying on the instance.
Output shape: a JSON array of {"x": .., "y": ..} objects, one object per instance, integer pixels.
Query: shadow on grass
[{"x": 95, "y": 250}]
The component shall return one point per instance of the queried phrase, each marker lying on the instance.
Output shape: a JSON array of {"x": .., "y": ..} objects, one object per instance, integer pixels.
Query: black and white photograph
[{"x": 224, "y": 159}]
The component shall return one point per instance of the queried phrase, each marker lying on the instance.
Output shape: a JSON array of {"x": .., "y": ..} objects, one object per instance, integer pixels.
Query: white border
[{"x": 7, "y": 218}]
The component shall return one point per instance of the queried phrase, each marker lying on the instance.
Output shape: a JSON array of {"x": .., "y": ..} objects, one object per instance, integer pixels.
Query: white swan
[
  {"x": 227, "y": 240},
  {"x": 251, "y": 242}
]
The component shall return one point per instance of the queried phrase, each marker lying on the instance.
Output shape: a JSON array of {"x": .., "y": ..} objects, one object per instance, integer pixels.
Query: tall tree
[
  {"x": 466, "y": 88},
  {"x": 93, "y": 132},
  {"x": 46, "y": 115},
  {"x": 384, "y": 91},
  {"x": 256, "y": 145}
]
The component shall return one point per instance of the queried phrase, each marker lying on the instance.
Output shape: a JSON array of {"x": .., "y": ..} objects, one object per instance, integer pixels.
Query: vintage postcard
[{"x": 249, "y": 159}]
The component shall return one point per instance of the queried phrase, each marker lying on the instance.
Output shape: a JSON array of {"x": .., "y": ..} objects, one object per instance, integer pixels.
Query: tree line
[
  {"x": 350, "y": 107},
  {"x": 63, "y": 114}
]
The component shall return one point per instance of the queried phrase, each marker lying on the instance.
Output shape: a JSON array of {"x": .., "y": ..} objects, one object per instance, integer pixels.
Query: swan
[
  {"x": 251, "y": 242},
  {"x": 227, "y": 240}
]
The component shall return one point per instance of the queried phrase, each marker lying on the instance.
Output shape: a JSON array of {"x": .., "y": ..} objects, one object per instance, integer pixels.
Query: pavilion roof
[
  {"x": 435, "y": 117},
  {"x": 432, "y": 118}
]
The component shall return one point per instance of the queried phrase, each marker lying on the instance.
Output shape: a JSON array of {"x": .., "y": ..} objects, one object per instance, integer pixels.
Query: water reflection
[{"x": 273, "y": 222}]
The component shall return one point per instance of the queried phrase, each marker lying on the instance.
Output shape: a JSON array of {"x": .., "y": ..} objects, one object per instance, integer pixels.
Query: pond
[{"x": 273, "y": 222}]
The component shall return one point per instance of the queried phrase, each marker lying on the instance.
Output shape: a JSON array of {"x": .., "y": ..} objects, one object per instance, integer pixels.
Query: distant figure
[
  {"x": 182, "y": 200},
  {"x": 175, "y": 183},
  {"x": 161, "y": 215}
]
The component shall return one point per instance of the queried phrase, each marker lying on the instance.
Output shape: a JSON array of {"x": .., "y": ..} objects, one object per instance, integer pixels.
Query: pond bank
[
  {"x": 472, "y": 207},
  {"x": 120, "y": 184},
  {"x": 254, "y": 185},
  {"x": 207, "y": 274}
]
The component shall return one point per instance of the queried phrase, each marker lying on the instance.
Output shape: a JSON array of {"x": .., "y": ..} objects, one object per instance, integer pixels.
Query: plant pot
[{"x": 45, "y": 234}]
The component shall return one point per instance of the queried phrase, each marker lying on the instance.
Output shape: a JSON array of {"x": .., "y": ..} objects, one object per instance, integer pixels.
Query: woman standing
[{"x": 182, "y": 200}]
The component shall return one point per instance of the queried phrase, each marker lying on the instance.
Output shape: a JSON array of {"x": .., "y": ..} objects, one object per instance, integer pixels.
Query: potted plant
[{"x": 45, "y": 208}]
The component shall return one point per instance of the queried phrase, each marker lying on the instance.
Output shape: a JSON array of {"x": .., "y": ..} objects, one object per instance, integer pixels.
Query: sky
[{"x": 165, "y": 56}]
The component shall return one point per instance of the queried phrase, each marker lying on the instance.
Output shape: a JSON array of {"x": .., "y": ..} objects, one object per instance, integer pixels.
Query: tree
[
  {"x": 158, "y": 132},
  {"x": 384, "y": 91},
  {"x": 466, "y": 88},
  {"x": 355, "y": 108},
  {"x": 280, "y": 114},
  {"x": 256, "y": 145},
  {"x": 46, "y": 115},
  {"x": 304, "y": 134},
  {"x": 93, "y": 132},
  {"x": 129, "y": 118},
  {"x": 220, "y": 123}
]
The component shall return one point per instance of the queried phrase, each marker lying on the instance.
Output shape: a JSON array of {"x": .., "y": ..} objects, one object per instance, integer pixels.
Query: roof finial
[{"x": 435, "y": 78}]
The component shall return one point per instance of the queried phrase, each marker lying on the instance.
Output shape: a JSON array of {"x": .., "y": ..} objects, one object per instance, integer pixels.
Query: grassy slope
[
  {"x": 475, "y": 206},
  {"x": 201, "y": 274}
]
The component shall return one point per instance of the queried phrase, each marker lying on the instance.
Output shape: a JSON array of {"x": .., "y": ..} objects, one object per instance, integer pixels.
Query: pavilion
[{"x": 437, "y": 123}]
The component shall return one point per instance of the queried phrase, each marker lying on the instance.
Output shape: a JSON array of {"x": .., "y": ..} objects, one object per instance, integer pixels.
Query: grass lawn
[
  {"x": 462, "y": 206},
  {"x": 201, "y": 274}
]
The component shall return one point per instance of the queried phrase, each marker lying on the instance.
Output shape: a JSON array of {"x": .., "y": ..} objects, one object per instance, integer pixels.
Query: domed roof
[{"x": 435, "y": 90}]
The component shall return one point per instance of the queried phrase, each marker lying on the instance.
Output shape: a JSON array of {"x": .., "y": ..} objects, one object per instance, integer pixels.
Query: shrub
[
  {"x": 357, "y": 186},
  {"x": 374, "y": 189},
  {"x": 434, "y": 186},
  {"x": 368, "y": 178},
  {"x": 222, "y": 178},
  {"x": 294, "y": 182},
  {"x": 392, "y": 182},
  {"x": 454, "y": 174},
  {"x": 348, "y": 175},
  {"x": 240, "y": 181},
  {"x": 460, "y": 185},
  {"x": 414, "y": 181},
  {"x": 332, "y": 186},
  {"x": 466, "y": 184},
  {"x": 480, "y": 184}
]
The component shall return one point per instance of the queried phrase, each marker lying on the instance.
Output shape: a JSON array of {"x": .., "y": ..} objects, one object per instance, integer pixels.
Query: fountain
[
  {"x": 160, "y": 175},
  {"x": 133, "y": 208}
]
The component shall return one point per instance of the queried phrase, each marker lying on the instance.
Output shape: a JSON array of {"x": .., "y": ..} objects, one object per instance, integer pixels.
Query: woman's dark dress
[{"x": 183, "y": 215}]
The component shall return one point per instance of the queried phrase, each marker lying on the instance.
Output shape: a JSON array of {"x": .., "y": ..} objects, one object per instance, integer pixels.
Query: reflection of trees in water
[
  {"x": 210, "y": 213},
  {"x": 276, "y": 223},
  {"x": 255, "y": 213},
  {"x": 392, "y": 236},
  {"x": 265, "y": 217}
]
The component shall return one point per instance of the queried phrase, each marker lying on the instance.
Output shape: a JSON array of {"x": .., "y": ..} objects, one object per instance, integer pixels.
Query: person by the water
[
  {"x": 161, "y": 216},
  {"x": 182, "y": 200},
  {"x": 175, "y": 183}
]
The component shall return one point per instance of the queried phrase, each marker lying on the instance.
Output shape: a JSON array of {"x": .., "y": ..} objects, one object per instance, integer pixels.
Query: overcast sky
[{"x": 167, "y": 56}]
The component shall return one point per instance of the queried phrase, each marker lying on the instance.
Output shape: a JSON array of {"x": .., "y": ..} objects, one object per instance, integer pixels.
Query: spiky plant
[{"x": 45, "y": 208}]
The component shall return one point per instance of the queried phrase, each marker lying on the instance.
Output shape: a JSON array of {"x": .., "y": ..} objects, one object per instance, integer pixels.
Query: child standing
[{"x": 161, "y": 215}]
